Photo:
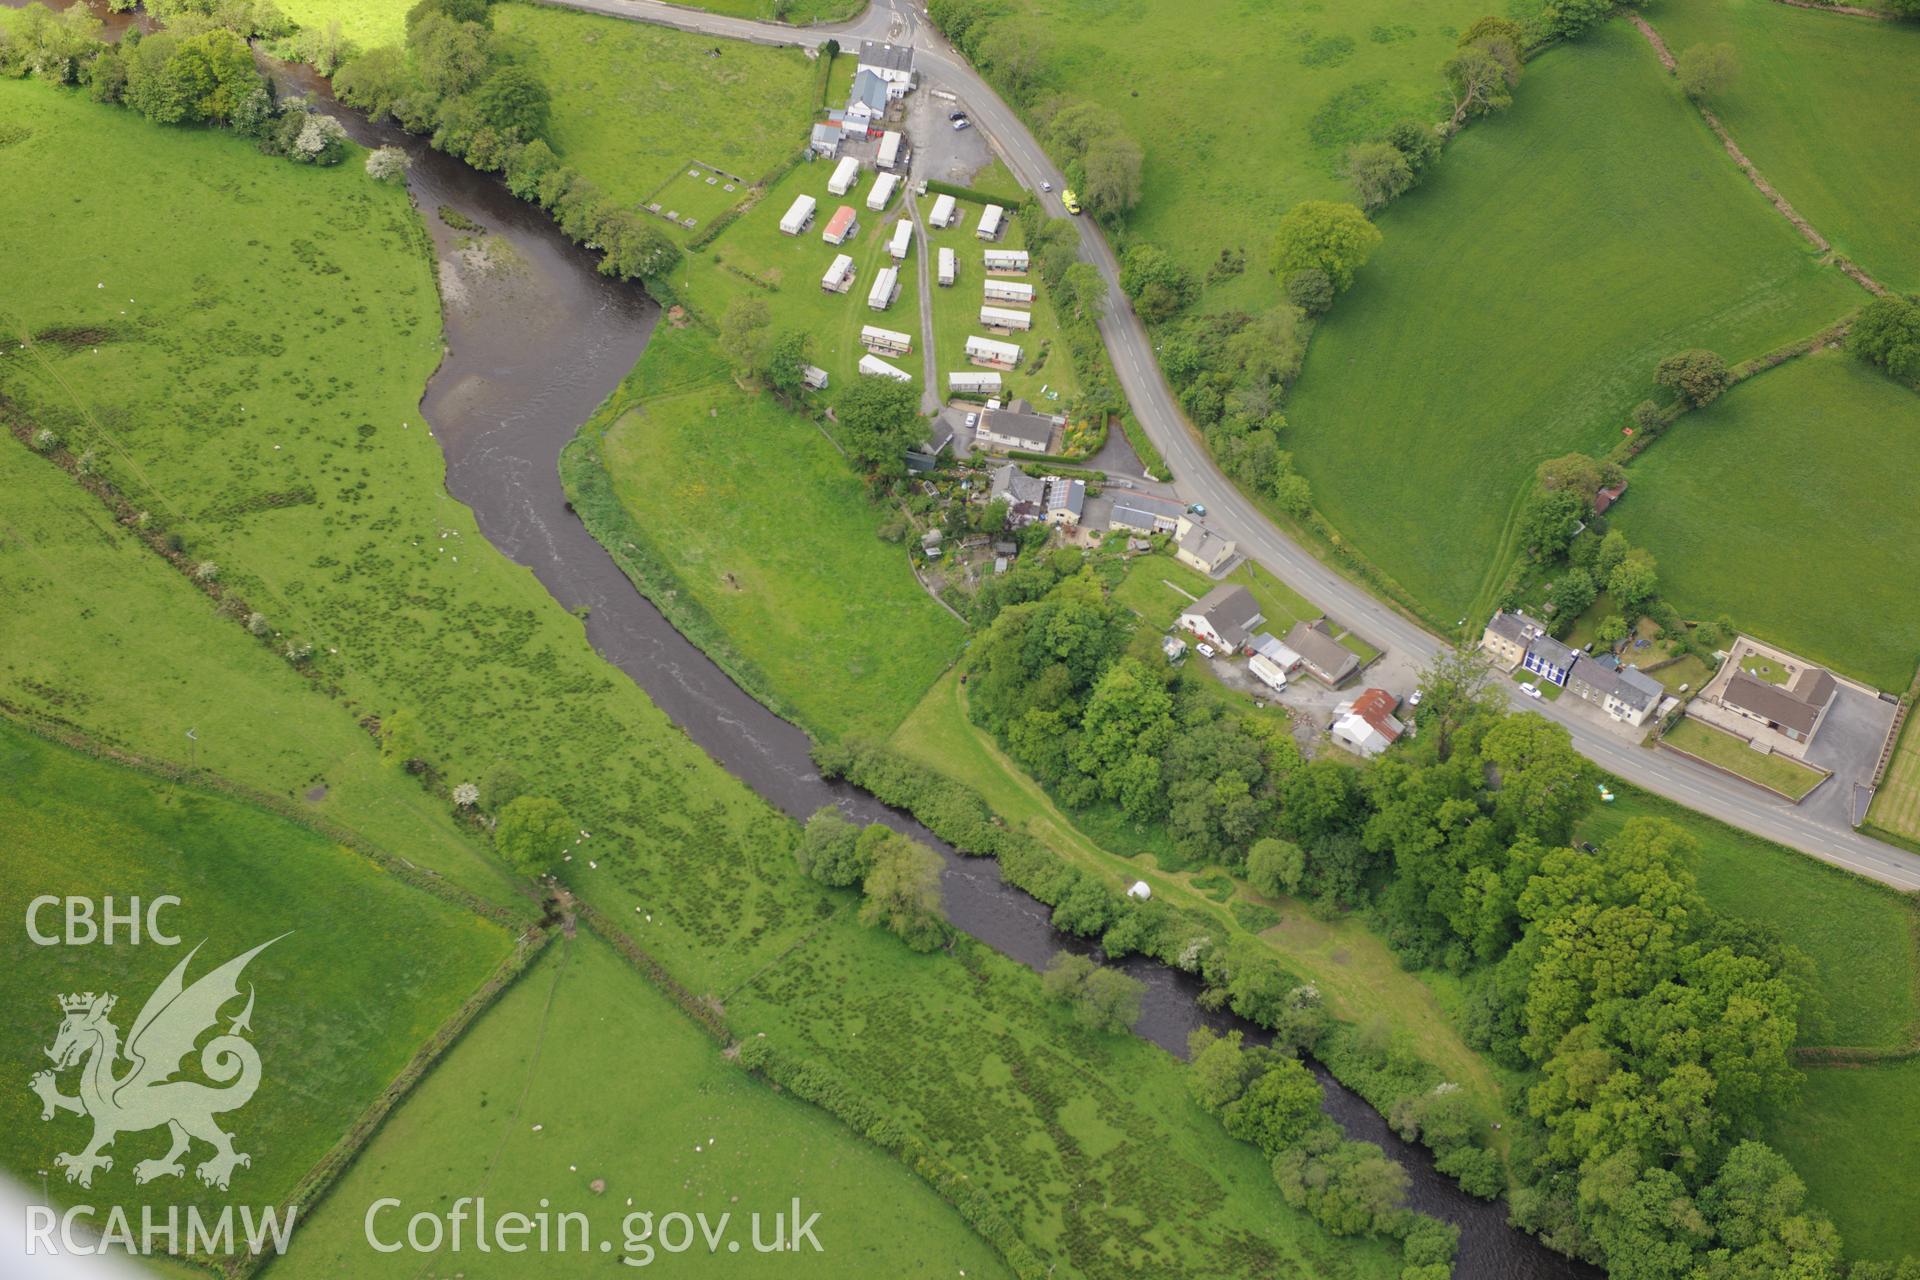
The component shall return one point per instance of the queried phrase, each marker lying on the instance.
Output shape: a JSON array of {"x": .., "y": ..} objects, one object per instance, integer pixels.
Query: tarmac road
[{"x": 1197, "y": 479}]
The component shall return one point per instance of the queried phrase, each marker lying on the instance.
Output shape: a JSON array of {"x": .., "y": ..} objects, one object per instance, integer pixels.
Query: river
[{"x": 536, "y": 339}]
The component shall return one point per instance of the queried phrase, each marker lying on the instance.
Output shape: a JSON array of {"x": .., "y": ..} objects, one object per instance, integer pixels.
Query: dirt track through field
[{"x": 1759, "y": 181}]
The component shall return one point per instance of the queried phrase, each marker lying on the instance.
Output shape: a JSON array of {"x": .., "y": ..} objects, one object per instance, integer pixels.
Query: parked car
[
  {"x": 1206, "y": 650},
  {"x": 956, "y": 115},
  {"x": 962, "y": 123},
  {"x": 973, "y": 419},
  {"x": 1530, "y": 689},
  {"x": 1413, "y": 699},
  {"x": 1197, "y": 509}
]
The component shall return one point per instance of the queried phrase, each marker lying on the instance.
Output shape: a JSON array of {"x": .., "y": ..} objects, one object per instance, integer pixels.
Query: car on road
[
  {"x": 1206, "y": 650},
  {"x": 1197, "y": 509},
  {"x": 1046, "y": 186},
  {"x": 1530, "y": 689},
  {"x": 1070, "y": 200},
  {"x": 962, "y": 123}
]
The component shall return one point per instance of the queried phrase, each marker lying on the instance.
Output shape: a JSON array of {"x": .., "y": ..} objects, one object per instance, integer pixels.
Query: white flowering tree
[{"x": 388, "y": 164}]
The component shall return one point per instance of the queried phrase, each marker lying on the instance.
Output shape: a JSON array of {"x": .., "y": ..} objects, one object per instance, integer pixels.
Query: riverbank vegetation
[{"x": 296, "y": 504}]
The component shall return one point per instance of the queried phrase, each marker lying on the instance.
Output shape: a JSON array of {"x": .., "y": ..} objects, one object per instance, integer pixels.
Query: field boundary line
[
  {"x": 1845, "y": 10},
  {"x": 1664, "y": 745},
  {"x": 424, "y": 879},
  {"x": 1780, "y": 203},
  {"x": 312, "y": 1189}
]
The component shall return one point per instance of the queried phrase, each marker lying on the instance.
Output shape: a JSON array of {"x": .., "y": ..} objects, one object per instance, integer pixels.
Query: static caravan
[
  {"x": 875, "y": 365},
  {"x": 842, "y": 226},
  {"x": 839, "y": 277},
  {"x": 892, "y": 149},
  {"x": 973, "y": 384},
  {"x": 1003, "y": 318},
  {"x": 946, "y": 212},
  {"x": 949, "y": 266},
  {"x": 886, "y": 287},
  {"x": 814, "y": 376},
  {"x": 1267, "y": 673},
  {"x": 885, "y": 342},
  {"x": 845, "y": 174},
  {"x": 995, "y": 354},
  {"x": 902, "y": 239},
  {"x": 799, "y": 216},
  {"x": 883, "y": 188},
  {"x": 1012, "y": 261},
  {"x": 990, "y": 219},
  {"x": 1015, "y": 291}
]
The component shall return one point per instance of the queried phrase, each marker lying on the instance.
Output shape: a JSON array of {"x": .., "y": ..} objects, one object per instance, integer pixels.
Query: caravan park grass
[
  {"x": 1519, "y": 304},
  {"x": 1046, "y": 376},
  {"x": 770, "y": 530},
  {"x": 1243, "y": 109},
  {"x": 540, "y": 1098},
  {"x": 368, "y": 969},
  {"x": 491, "y": 669},
  {"x": 1789, "y": 505},
  {"x": 1861, "y": 936},
  {"x": 634, "y": 103},
  {"x": 1824, "y": 105},
  {"x": 1717, "y": 747}
]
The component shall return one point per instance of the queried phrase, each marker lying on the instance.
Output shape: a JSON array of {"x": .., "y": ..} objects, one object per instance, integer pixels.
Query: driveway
[{"x": 1848, "y": 744}]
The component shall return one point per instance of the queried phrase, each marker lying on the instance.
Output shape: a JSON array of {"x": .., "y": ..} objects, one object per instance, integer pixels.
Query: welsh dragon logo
[{"x": 146, "y": 1095}]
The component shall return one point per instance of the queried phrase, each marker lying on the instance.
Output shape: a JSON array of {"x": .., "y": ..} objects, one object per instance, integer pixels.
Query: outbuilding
[
  {"x": 976, "y": 383},
  {"x": 883, "y": 188},
  {"x": 990, "y": 219},
  {"x": 1015, "y": 291},
  {"x": 839, "y": 277},
  {"x": 949, "y": 265},
  {"x": 1008, "y": 261},
  {"x": 814, "y": 376},
  {"x": 885, "y": 342},
  {"x": 886, "y": 287},
  {"x": 842, "y": 226},
  {"x": 992, "y": 353},
  {"x": 902, "y": 239},
  {"x": 893, "y": 150},
  {"x": 1003, "y": 319},
  {"x": 946, "y": 211}
]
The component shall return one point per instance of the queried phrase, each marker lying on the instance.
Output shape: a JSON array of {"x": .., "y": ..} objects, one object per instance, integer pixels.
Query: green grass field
[
  {"x": 1896, "y": 806},
  {"x": 1458, "y": 361},
  {"x": 1716, "y": 746},
  {"x": 623, "y": 1087},
  {"x": 1860, "y": 935},
  {"x": 1243, "y": 109},
  {"x": 633, "y": 104},
  {"x": 771, "y": 532},
  {"x": 368, "y": 23},
  {"x": 1855, "y": 1138},
  {"x": 1789, "y": 505},
  {"x": 1824, "y": 106},
  {"x": 369, "y": 967}
]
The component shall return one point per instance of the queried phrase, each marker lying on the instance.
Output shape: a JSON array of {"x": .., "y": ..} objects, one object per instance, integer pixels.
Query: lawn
[
  {"x": 1774, "y": 771},
  {"x": 1815, "y": 556},
  {"x": 1242, "y": 109},
  {"x": 1824, "y": 106},
  {"x": 367, "y": 970},
  {"x": 1896, "y": 806},
  {"x": 1456, "y": 364},
  {"x": 768, "y": 529},
  {"x": 1046, "y": 375},
  {"x": 635, "y": 104},
  {"x": 1855, "y": 1138},
  {"x": 539, "y": 1099},
  {"x": 1159, "y": 589},
  {"x": 1859, "y": 934}
]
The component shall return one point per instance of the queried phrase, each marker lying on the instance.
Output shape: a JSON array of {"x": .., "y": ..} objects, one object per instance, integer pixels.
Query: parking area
[
  {"x": 1848, "y": 745},
  {"x": 939, "y": 150}
]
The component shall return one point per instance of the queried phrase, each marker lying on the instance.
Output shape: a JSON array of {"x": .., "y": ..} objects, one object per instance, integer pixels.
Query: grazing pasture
[
  {"x": 368, "y": 967},
  {"x": 1896, "y": 806},
  {"x": 1518, "y": 306},
  {"x": 1242, "y": 109},
  {"x": 1789, "y": 505},
  {"x": 1855, "y": 1138},
  {"x": 539, "y": 1100},
  {"x": 633, "y": 103},
  {"x": 768, "y": 529},
  {"x": 1824, "y": 105}
]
